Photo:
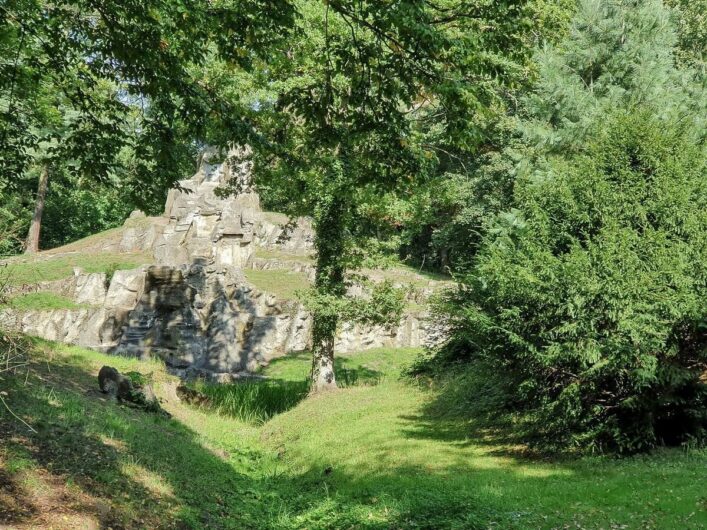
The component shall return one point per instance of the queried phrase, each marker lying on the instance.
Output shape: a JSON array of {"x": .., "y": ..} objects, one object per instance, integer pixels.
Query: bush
[{"x": 591, "y": 296}]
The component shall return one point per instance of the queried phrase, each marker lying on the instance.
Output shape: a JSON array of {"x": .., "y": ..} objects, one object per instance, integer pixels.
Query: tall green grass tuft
[{"x": 253, "y": 401}]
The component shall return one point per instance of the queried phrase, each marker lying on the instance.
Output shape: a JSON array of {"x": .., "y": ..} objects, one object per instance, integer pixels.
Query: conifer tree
[{"x": 589, "y": 295}]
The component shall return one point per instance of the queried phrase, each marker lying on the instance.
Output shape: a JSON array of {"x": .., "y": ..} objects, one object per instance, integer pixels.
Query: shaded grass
[
  {"x": 253, "y": 401},
  {"x": 367, "y": 456},
  {"x": 359, "y": 368},
  {"x": 256, "y": 401},
  {"x": 435, "y": 473},
  {"x": 127, "y": 469}
]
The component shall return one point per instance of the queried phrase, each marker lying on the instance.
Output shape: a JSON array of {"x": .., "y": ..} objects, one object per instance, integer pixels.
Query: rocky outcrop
[
  {"x": 132, "y": 388},
  {"x": 202, "y": 226},
  {"x": 195, "y": 308}
]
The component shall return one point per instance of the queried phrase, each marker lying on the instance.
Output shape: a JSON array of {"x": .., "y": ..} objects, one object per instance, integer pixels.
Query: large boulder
[
  {"x": 125, "y": 288},
  {"x": 113, "y": 383},
  {"x": 90, "y": 288},
  {"x": 132, "y": 388}
]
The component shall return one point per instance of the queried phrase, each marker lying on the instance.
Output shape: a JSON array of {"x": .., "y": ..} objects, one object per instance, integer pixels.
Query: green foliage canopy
[
  {"x": 109, "y": 93},
  {"x": 363, "y": 99},
  {"x": 589, "y": 295}
]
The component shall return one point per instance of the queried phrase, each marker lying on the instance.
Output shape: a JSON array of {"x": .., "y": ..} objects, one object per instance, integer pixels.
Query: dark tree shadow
[
  {"x": 346, "y": 374},
  {"x": 467, "y": 413},
  {"x": 257, "y": 399},
  {"x": 132, "y": 469}
]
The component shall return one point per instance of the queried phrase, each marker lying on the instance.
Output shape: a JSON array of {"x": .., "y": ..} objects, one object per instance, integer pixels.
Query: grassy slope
[
  {"x": 55, "y": 267},
  {"x": 363, "y": 457},
  {"x": 87, "y": 253},
  {"x": 282, "y": 283},
  {"x": 42, "y": 301}
]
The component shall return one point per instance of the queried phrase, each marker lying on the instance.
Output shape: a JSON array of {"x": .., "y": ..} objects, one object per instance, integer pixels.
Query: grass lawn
[
  {"x": 407, "y": 274},
  {"x": 48, "y": 267},
  {"x": 281, "y": 255},
  {"x": 58, "y": 263},
  {"x": 282, "y": 283},
  {"x": 367, "y": 456},
  {"x": 42, "y": 301}
]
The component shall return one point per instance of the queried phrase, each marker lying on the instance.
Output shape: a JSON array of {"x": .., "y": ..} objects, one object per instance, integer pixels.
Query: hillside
[
  {"x": 101, "y": 253},
  {"x": 211, "y": 286},
  {"x": 353, "y": 265},
  {"x": 367, "y": 456}
]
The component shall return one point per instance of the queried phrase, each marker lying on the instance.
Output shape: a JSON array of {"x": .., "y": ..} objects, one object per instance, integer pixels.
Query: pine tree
[{"x": 589, "y": 296}]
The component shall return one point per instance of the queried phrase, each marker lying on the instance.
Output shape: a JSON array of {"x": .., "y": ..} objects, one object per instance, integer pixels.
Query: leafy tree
[
  {"x": 588, "y": 295},
  {"x": 82, "y": 82},
  {"x": 446, "y": 218},
  {"x": 440, "y": 225},
  {"x": 353, "y": 99},
  {"x": 691, "y": 23}
]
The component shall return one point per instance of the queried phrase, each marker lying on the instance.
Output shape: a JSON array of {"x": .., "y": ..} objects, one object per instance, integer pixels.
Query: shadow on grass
[
  {"x": 252, "y": 401},
  {"x": 468, "y": 409},
  {"x": 297, "y": 366},
  {"x": 256, "y": 401},
  {"x": 128, "y": 469}
]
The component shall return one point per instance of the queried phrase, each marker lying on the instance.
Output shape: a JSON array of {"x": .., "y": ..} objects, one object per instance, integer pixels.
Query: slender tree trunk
[
  {"x": 323, "y": 334},
  {"x": 329, "y": 283},
  {"x": 32, "y": 244}
]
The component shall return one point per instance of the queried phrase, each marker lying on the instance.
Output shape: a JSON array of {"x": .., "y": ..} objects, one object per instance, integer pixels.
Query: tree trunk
[
  {"x": 329, "y": 284},
  {"x": 32, "y": 244},
  {"x": 323, "y": 333}
]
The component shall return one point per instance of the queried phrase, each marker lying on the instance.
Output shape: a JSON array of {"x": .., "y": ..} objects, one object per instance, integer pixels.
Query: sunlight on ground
[
  {"x": 283, "y": 284},
  {"x": 151, "y": 481},
  {"x": 365, "y": 456},
  {"x": 49, "y": 267}
]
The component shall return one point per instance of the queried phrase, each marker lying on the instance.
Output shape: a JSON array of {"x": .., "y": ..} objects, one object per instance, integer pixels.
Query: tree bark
[
  {"x": 329, "y": 283},
  {"x": 32, "y": 244},
  {"x": 323, "y": 376}
]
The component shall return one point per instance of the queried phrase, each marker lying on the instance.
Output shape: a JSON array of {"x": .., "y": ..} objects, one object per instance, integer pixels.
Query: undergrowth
[
  {"x": 255, "y": 401},
  {"x": 252, "y": 401}
]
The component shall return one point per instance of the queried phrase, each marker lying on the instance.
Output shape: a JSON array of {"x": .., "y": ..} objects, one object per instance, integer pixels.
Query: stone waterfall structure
[{"x": 193, "y": 306}]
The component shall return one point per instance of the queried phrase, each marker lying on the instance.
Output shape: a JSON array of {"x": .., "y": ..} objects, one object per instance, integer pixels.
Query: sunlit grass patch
[
  {"x": 369, "y": 366},
  {"x": 280, "y": 255},
  {"x": 416, "y": 277},
  {"x": 282, "y": 283},
  {"x": 102, "y": 239},
  {"x": 42, "y": 301},
  {"x": 151, "y": 481},
  {"x": 256, "y": 401},
  {"x": 16, "y": 459},
  {"x": 31, "y": 270},
  {"x": 367, "y": 456}
]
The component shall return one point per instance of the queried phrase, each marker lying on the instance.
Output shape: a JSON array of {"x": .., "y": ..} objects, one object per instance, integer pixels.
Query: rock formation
[
  {"x": 132, "y": 388},
  {"x": 194, "y": 307}
]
